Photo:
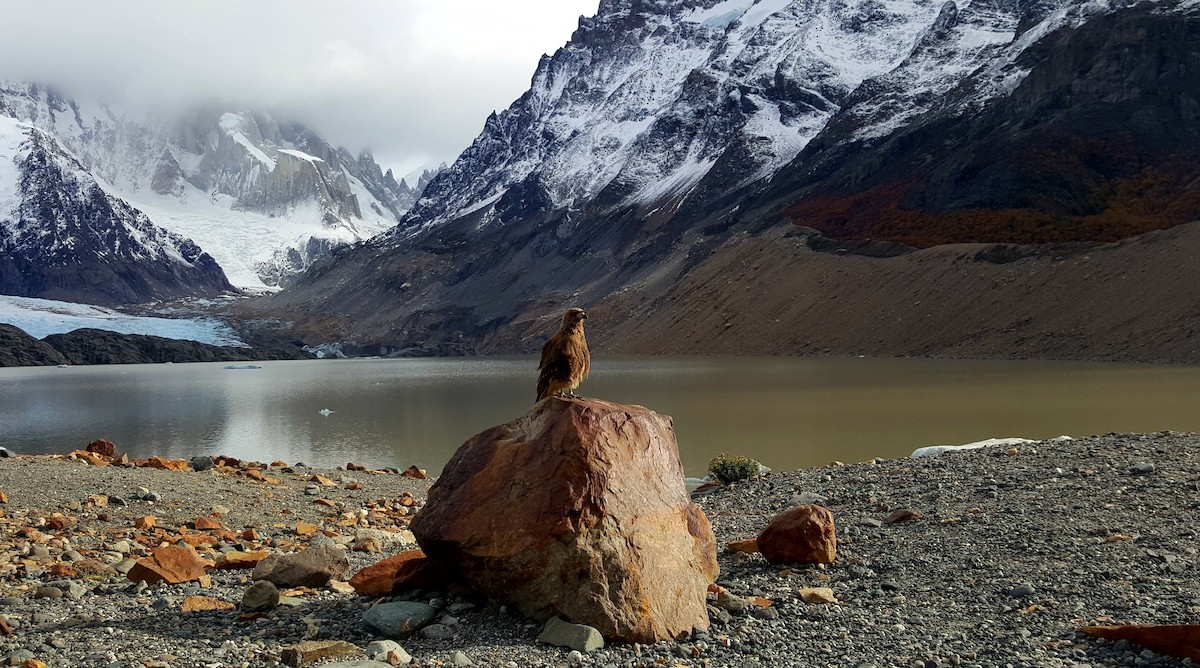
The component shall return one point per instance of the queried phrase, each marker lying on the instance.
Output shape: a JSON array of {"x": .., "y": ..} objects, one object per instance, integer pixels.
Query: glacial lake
[{"x": 787, "y": 412}]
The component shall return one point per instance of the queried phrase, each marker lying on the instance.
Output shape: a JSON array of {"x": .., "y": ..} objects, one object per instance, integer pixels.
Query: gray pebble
[{"x": 1021, "y": 591}]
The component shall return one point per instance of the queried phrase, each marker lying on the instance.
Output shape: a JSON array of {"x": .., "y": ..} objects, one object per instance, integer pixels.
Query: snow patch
[
  {"x": 301, "y": 154},
  {"x": 12, "y": 133},
  {"x": 42, "y": 317}
]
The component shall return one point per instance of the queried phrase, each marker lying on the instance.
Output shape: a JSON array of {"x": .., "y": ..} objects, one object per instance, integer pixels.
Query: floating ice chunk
[
  {"x": 325, "y": 411},
  {"x": 242, "y": 366}
]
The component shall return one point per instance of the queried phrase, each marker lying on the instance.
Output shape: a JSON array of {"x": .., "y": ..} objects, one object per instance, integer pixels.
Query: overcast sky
[{"x": 413, "y": 80}]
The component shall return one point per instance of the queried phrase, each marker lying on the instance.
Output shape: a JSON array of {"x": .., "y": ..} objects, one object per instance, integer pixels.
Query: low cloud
[{"x": 411, "y": 80}]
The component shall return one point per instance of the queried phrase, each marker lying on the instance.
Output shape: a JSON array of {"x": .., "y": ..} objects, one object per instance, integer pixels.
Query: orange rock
[
  {"x": 89, "y": 457},
  {"x": 62, "y": 571},
  {"x": 104, "y": 448},
  {"x": 206, "y": 524},
  {"x": 325, "y": 502},
  {"x": 306, "y": 528},
  {"x": 231, "y": 560},
  {"x": 3, "y": 497},
  {"x": 172, "y": 564},
  {"x": 201, "y": 603},
  {"x": 5, "y": 629},
  {"x": 279, "y": 464},
  {"x": 250, "y": 534},
  {"x": 168, "y": 464},
  {"x": 199, "y": 539},
  {"x": 254, "y": 474},
  {"x": 903, "y": 515},
  {"x": 145, "y": 522},
  {"x": 760, "y": 601},
  {"x": 747, "y": 545},
  {"x": 59, "y": 523},
  {"x": 1178, "y": 640},
  {"x": 98, "y": 500},
  {"x": 354, "y": 486},
  {"x": 804, "y": 534},
  {"x": 407, "y": 570},
  {"x": 322, "y": 481},
  {"x": 414, "y": 472},
  {"x": 597, "y": 525},
  {"x": 33, "y": 663}
]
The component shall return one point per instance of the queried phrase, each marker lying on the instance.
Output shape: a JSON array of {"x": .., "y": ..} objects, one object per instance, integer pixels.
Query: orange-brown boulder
[
  {"x": 804, "y": 534},
  {"x": 1178, "y": 640},
  {"x": 596, "y": 525},
  {"x": 172, "y": 564},
  {"x": 407, "y": 570},
  {"x": 103, "y": 447}
]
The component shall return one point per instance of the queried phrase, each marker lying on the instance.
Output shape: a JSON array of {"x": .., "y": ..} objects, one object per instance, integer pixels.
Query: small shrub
[{"x": 727, "y": 469}]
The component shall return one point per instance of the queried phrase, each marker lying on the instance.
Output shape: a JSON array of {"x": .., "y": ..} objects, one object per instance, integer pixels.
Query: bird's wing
[{"x": 555, "y": 364}]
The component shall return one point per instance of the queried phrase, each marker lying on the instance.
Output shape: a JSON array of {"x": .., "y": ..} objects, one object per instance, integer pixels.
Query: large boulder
[{"x": 576, "y": 510}]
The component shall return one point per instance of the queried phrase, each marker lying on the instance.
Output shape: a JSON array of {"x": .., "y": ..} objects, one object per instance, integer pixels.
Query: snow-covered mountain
[
  {"x": 265, "y": 198},
  {"x": 668, "y": 132},
  {"x": 62, "y": 237}
]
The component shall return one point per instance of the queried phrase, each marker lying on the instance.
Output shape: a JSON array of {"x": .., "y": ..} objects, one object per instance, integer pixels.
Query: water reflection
[{"x": 787, "y": 412}]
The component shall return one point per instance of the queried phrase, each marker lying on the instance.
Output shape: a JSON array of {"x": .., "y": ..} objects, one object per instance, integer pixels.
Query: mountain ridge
[
  {"x": 497, "y": 243},
  {"x": 265, "y": 197}
]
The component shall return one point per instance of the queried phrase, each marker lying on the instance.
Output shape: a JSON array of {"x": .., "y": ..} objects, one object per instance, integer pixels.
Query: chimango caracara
[{"x": 565, "y": 358}]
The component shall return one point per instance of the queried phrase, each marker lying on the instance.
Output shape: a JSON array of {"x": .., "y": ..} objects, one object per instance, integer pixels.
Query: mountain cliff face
[
  {"x": 62, "y": 237},
  {"x": 666, "y": 136},
  {"x": 266, "y": 198}
]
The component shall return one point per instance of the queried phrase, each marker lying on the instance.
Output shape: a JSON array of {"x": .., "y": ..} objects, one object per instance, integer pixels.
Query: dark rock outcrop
[
  {"x": 577, "y": 510},
  {"x": 67, "y": 239},
  {"x": 94, "y": 346},
  {"x": 20, "y": 349}
]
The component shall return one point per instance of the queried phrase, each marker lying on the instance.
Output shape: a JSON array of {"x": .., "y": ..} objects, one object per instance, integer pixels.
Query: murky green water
[{"x": 787, "y": 412}]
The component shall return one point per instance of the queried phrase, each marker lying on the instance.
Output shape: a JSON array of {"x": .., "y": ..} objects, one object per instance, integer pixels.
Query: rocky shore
[{"x": 1005, "y": 554}]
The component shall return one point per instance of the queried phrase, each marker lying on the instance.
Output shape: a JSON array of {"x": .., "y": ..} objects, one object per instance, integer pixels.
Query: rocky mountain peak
[{"x": 212, "y": 174}]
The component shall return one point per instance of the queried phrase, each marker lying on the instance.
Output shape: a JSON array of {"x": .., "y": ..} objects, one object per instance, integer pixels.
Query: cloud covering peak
[{"x": 413, "y": 81}]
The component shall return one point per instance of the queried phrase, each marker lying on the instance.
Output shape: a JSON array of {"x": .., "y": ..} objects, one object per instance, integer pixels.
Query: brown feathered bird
[{"x": 565, "y": 358}]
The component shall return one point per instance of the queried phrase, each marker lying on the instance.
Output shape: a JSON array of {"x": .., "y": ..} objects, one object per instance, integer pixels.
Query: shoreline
[{"x": 1016, "y": 548}]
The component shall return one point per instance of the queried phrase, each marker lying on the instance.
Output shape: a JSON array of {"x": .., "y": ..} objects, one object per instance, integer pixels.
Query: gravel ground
[{"x": 1014, "y": 550}]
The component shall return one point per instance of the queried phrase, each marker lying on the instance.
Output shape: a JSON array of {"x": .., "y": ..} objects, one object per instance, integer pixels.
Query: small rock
[
  {"x": 1141, "y": 468},
  {"x": 903, "y": 515},
  {"x": 1021, "y": 591},
  {"x": 381, "y": 650},
  {"x": 437, "y": 632},
  {"x": 262, "y": 595},
  {"x": 731, "y": 602},
  {"x": 172, "y": 564},
  {"x": 575, "y": 657},
  {"x": 817, "y": 595},
  {"x": 313, "y": 567},
  {"x": 202, "y": 463},
  {"x": 48, "y": 592},
  {"x": 804, "y": 534},
  {"x": 314, "y": 650},
  {"x": 575, "y": 636},
  {"x": 460, "y": 659},
  {"x": 398, "y": 619}
]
